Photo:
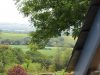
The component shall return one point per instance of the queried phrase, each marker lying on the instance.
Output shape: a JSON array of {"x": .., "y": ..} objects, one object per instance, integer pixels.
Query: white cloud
[{"x": 9, "y": 13}]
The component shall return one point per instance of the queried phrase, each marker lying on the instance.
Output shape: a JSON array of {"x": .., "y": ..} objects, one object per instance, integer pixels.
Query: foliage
[
  {"x": 62, "y": 72},
  {"x": 43, "y": 60},
  {"x": 51, "y": 68},
  {"x": 1, "y": 67},
  {"x": 52, "y": 17},
  {"x": 33, "y": 67},
  {"x": 19, "y": 54},
  {"x": 6, "y": 56},
  {"x": 61, "y": 58},
  {"x": 57, "y": 60},
  {"x": 8, "y": 66},
  {"x": 17, "y": 70},
  {"x": 37, "y": 57},
  {"x": 24, "y": 48},
  {"x": 33, "y": 47},
  {"x": 9, "y": 56},
  {"x": 63, "y": 41}
]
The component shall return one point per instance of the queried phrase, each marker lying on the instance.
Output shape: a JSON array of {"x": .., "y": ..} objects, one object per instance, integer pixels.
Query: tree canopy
[{"x": 52, "y": 17}]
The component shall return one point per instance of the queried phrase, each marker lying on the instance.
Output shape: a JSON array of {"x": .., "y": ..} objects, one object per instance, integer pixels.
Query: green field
[
  {"x": 23, "y": 47},
  {"x": 12, "y": 36},
  {"x": 49, "y": 51},
  {"x": 53, "y": 50}
]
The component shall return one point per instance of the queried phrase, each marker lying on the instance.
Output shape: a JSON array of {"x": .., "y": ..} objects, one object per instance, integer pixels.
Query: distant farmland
[
  {"x": 19, "y": 38},
  {"x": 12, "y": 36}
]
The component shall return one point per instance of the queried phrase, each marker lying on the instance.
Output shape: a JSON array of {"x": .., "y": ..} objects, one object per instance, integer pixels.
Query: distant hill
[{"x": 15, "y": 27}]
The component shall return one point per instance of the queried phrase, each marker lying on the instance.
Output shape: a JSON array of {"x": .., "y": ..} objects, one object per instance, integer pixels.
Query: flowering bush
[{"x": 17, "y": 70}]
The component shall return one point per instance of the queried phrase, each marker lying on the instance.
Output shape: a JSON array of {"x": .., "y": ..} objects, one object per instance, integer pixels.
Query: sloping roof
[{"x": 95, "y": 4}]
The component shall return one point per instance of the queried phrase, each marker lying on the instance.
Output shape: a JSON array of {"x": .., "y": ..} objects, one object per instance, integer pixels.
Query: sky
[{"x": 10, "y": 14}]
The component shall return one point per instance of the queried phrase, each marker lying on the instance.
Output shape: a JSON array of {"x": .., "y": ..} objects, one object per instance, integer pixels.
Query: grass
[
  {"x": 52, "y": 51},
  {"x": 12, "y": 36},
  {"x": 23, "y": 47},
  {"x": 49, "y": 51}
]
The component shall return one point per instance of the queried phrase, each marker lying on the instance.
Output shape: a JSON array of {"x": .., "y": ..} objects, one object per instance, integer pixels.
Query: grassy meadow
[
  {"x": 12, "y": 36},
  {"x": 49, "y": 51},
  {"x": 23, "y": 47}
]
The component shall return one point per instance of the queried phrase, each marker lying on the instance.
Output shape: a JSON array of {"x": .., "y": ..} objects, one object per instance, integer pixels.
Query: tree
[
  {"x": 61, "y": 58},
  {"x": 6, "y": 57},
  {"x": 19, "y": 54},
  {"x": 57, "y": 60},
  {"x": 33, "y": 47},
  {"x": 37, "y": 57},
  {"x": 17, "y": 70},
  {"x": 52, "y": 17}
]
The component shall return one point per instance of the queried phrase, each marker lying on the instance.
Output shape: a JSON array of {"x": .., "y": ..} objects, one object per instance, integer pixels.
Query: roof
[{"x": 94, "y": 6}]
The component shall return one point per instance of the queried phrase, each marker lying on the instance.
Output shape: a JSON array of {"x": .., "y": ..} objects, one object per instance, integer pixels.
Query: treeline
[
  {"x": 22, "y": 41},
  {"x": 64, "y": 41}
]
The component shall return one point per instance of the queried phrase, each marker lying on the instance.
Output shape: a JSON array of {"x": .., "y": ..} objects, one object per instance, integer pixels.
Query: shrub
[
  {"x": 19, "y": 54},
  {"x": 17, "y": 70},
  {"x": 6, "y": 57},
  {"x": 33, "y": 67},
  {"x": 1, "y": 67}
]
